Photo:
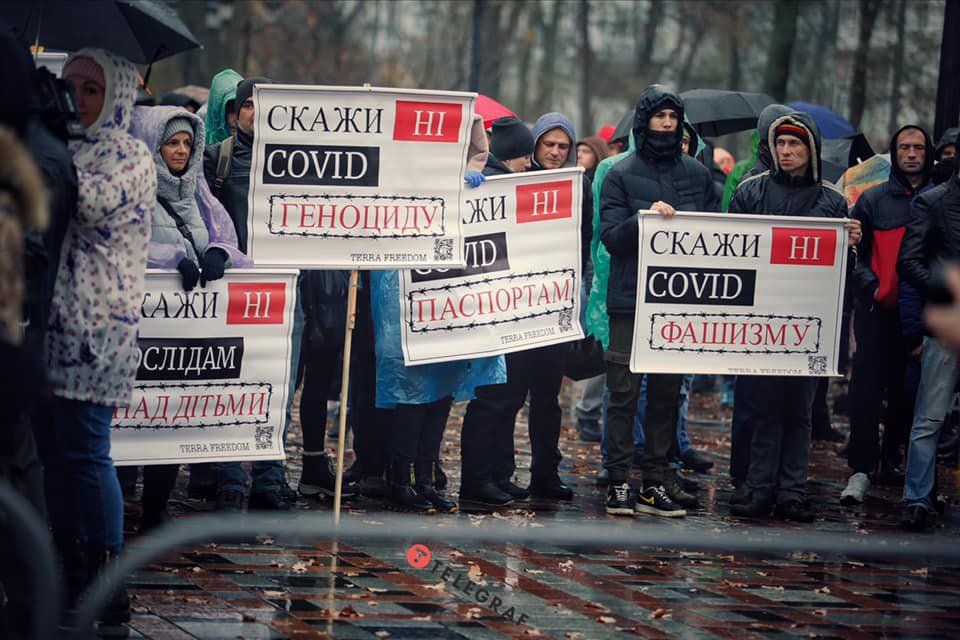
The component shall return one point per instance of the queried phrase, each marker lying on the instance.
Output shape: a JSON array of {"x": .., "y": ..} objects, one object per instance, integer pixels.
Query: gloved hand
[
  {"x": 474, "y": 178},
  {"x": 212, "y": 265},
  {"x": 190, "y": 272}
]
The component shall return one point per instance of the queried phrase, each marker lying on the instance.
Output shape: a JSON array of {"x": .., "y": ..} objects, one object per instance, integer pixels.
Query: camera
[{"x": 57, "y": 106}]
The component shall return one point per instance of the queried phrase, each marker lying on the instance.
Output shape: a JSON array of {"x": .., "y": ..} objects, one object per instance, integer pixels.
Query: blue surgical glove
[{"x": 474, "y": 178}]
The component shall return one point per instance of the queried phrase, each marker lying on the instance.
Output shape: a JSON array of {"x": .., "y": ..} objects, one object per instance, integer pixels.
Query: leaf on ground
[
  {"x": 382, "y": 633},
  {"x": 373, "y": 522},
  {"x": 196, "y": 569},
  {"x": 658, "y": 613},
  {"x": 573, "y": 635},
  {"x": 299, "y": 567},
  {"x": 474, "y": 571},
  {"x": 737, "y": 585},
  {"x": 606, "y": 619},
  {"x": 533, "y": 572},
  {"x": 422, "y": 618},
  {"x": 565, "y": 565},
  {"x": 819, "y": 612},
  {"x": 376, "y": 590},
  {"x": 825, "y": 590},
  {"x": 773, "y": 587},
  {"x": 349, "y": 612},
  {"x": 921, "y": 572},
  {"x": 440, "y": 586},
  {"x": 274, "y": 594}
]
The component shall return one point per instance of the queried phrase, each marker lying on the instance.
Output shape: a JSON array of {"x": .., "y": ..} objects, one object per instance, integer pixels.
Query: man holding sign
[
  {"x": 658, "y": 177},
  {"x": 780, "y": 449}
]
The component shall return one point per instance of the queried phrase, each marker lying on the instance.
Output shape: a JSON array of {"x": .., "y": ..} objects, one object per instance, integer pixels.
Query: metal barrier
[
  {"x": 31, "y": 535},
  {"x": 401, "y": 529}
]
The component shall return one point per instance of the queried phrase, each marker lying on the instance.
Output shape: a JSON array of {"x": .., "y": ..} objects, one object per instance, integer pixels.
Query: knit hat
[
  {"x": 180, "y": 124},
  {"x": 510, "y": 139},
  {"x": 245, "y": 90},
  {"x": 86, "y": 68},
  {"x": 790, "y": 129}
]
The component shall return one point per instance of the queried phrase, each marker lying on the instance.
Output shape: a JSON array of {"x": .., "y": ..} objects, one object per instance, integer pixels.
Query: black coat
[
  {"x": 237, "y": 184},
  {"x": 494, "y": 167},
  {"x": 323, "y": 296},
  {"x": 933, "y": 233},
  {"x": 636, "y": 182}
]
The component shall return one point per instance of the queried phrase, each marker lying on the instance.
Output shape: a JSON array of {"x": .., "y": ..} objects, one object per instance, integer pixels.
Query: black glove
[
  {"x": 190, "y": 272},
  {"x": 212, "y": 265}
]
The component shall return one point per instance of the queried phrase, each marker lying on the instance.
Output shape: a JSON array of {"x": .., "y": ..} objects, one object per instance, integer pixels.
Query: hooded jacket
[
  {"x": 654, "y": 171},
  {"x": 549, "y": 122},
  {"x": 760, "y": 159},
  {"x": 223, "y": 89},
  {"x": 883, "y": 212},
  {"x": 92, "y": 333},
  {"x": 233, "y": 196},
  {"x": 933, "y": 234},
  {"x": 189, "y": 196},
  {"x": 599, "y": 147},
  {"x": 775, "y": 192},
  {"x": 950, "y": 136}
]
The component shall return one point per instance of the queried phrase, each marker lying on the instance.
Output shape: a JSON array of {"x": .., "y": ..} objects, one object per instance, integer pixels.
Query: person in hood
[
  {"x": 190, "y": 232},
  {"x": 931, "y": 239},
  {"x": 590, "y": 151},
  {"x": 657, "y": 176},
  {"x": 488, "y": 425},
  {"x": 761, "y": 159},
  {"x": 92, "y": 333},
  {"x": 221, "y": 116},
  {"x": 945, "y": 156},
  {"x": 511, "y": 145},
  {"x": 780, "y": 447},
  {"x": 880, "y": 363}
]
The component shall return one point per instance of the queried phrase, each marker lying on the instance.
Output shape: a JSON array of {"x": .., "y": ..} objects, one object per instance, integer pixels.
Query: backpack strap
[
  {"x": 182, "y": 226},
  {"x": 224, "y": 157}
]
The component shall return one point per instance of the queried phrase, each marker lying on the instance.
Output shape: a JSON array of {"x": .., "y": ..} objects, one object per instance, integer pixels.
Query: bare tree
[
  {"x": 655, "y": 15},
  {"x": 869, "y": 10},
  {"x": 549, "y": 28},
  {"x": 586, "y": 62},
  {"x": 782, "y": 40},
  {"x": 898, "y": 52},
  {"x": 736, "y": 27}
]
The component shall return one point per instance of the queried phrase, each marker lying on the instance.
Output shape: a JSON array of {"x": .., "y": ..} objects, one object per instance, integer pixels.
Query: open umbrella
[
  {"x": 142, "y": 31},
  {"x": 489, "y": 109},
  {"x": 714, "y": 112},
  {"x": 831, "y": 124}
]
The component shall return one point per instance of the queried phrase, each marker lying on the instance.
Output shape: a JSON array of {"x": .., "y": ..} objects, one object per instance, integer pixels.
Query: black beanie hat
[
  {"x": 245, "y": 90},
  {"x": 510, "y": 139}
]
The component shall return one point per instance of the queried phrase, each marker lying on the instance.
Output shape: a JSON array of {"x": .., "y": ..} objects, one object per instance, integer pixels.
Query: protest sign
[
  {"x": 520, "y": 287},
  {"x": 213, "y": 370},
  {"x": 739, "y": 294},
  {"x": 357, "y": 177}
]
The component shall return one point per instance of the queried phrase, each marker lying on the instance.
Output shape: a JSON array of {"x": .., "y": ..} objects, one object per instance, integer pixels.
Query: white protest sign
[
  {"x": 213, "y": 370},
  {"x": 358, "y": 177},
  {"x": 520, "y": 288},
  {"x": 739, "y": 294}
]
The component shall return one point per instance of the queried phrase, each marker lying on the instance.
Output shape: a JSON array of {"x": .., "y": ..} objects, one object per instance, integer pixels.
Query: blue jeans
[
  {"x": 638, "y": 437},
  {"x": 938, "y": 379},
  {"x": 268, "y": 475},
  {"x": 83, "y": 493}
]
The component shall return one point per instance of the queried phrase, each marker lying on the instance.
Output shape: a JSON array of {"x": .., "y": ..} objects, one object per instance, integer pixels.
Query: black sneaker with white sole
[
  {"x": 619, "y": 502},
  {"x": 655, "y": 501}
]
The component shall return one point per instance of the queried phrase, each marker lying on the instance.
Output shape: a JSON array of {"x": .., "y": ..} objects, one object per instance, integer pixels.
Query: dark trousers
[
  {"x": 319, "y": 369},
  {"x": 159, "y": 481},
  {"x": 878, "y": 372},
  {"x": 660, "y": 421},
  {"x": 418, "y": 431},
  {"x": 820, "y": 412},
  {"x": 486, "y": 442},
  {"x": 780, "y": 449},
  {"x": 371, "y": 426},
  {"x": 743, "y": 424}
]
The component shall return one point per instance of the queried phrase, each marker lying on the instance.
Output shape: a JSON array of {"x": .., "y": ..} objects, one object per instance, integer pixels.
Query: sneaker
[
  {"x": 230, "y": 501},
  {"x": 655, "y": 501},
  {"x": 914, "y": 518},
  {"x": 618, "y": 501},
  {"x": 855, "y": 490},
  {"x": 589, "y": 430},
  {"x": 696, "y": 461},
  {"x": 794, "y": 510}
]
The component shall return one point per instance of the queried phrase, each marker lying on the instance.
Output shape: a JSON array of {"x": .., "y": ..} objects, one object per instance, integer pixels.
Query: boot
[
  {"x": 427, "y": 488},
  {"x": 439, "y": 477},
  {"x": 73, "y": 558},
  {"x": 113, "y": 618},
  {"x": 401, "y": 492}
]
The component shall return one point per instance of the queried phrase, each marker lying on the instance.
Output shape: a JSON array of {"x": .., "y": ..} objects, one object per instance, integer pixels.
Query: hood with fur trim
[{"x": 806, "y": 122}]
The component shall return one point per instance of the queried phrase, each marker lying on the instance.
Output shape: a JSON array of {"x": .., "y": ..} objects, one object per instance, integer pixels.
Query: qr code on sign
[
  {"x": 263, "y": 437},
  {"x": 565, "y": 320},
  {"x": 817, "y": 365},
  {"x": 443, "y": 249}
]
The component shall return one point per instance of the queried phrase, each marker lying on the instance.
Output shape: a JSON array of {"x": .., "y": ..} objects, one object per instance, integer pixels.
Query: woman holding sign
[{"x": 190, "y": 231}]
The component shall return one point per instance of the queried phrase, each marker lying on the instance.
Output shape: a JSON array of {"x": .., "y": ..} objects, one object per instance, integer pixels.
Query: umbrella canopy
[
  {"x": 489, "y": 109},
  {"x": 714, "y": 112},
  {"x": 142, "y": 31},
  {"x": 831, "y": 125},
  {"x": 847, "y": 151},
  {"x": 196, "y": 92}
]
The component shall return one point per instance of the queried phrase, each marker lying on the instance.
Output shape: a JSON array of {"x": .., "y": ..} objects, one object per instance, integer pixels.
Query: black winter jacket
[
  {"x": 883, "y": 212},
  {"x": 933, "y": 233},
  {"x": 495, "y": 167},
  {"x": 636, "y": 182},
  {"x": 237, "y": 184},
  {"x": 323, "y": 296}
]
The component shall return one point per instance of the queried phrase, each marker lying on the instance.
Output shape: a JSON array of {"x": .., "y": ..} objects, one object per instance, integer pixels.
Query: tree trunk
[
  {"x": 694, "y": 46},
  {"x": 645, "y": 54},
  {"x": 869, "y": 9},
  {"x": 479, "y": 9},
  {"x": 782, "y": 40},
  {"x": 901, "y": 18},
  {"x": 526, "y": 61},
  {"x": 586, "y": 62},
  {"x": 736, "y": 25},
  {"x": 548, "y": 36}
]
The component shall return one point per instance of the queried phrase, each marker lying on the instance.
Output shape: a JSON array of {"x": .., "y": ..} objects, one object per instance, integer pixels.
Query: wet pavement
[{"x": 262, "y": 589}]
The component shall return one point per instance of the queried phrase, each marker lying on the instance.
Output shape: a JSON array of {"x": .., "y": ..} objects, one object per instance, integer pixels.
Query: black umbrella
[
  {"x": 848, "y": 150},
  {"x": 624, "y": 127},
  {"x": 714, "y": 112},
  {"x": 142, "y": 31}
]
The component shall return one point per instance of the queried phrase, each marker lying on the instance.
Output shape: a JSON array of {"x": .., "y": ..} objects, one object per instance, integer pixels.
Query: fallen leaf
[
  {"x": 196, "y": 569},
  {"x": 535, "y": 572},
  {"x": 658, "y": 613},
  {"x": 606, "y": 619},
  {"x": 921, "y": 572},
  {"x": 573, "y": 635},
  {"x": 376, "y": 590},
  {"x": 737, "y": 585},
  {"x": 422, "y": 618},
  {"x": 823, "y": 590},
  {"x": 819, "y": 612},
  {"x": 772, "y": 587},
  {"x": 349, "y": 612},
  {"x": 274, "y": 594},
  {"x": 299, "y": 567},
  {"x": 440, "y": 586},
  {"x": 474, "y": 571},
  {"x": 566, "y": 565},
  {"x": 382, "y": 633},
  {"x": 374, "y": 522}
]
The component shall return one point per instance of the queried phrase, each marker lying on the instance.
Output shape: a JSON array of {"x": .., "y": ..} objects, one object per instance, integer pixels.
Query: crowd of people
[{"x": 166, "y": 186}]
